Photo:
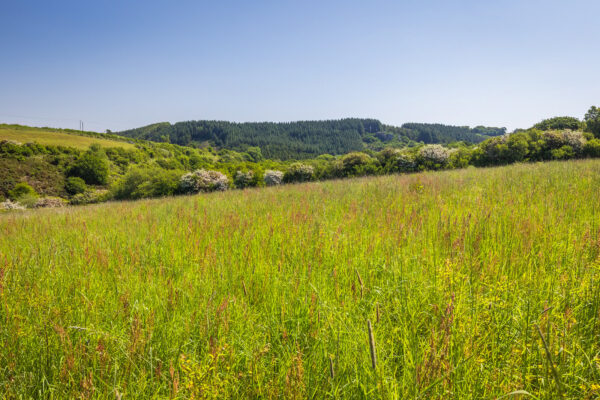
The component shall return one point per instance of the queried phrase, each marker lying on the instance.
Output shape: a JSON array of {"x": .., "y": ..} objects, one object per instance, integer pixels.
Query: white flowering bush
[
  {"x": 434, "y": 156},
  {"x": 574, "y": 139},
  {"x": 50, "y": 202},
  {"x": 10, "y": 205},
  {"x": 203, "y": 181},
  {"x": 272, "y": 177}
]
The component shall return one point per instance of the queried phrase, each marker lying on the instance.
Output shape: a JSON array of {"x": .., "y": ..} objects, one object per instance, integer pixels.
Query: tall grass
[{"x": 267, "y": 293}]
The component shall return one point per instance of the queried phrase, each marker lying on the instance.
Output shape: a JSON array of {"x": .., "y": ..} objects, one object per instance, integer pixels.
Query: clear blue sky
[{"x": 123, "y": 64}]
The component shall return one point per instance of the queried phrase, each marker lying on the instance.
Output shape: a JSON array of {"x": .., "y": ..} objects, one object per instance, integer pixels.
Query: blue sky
[{"x": 123, "y": 64}]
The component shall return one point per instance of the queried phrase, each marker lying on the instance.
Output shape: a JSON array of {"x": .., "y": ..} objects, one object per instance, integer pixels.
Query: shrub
[
  {"x": 146, "y": 182},
  {"x": 21, "y": 190},
  {"x": 357, "y": 163},
  {"x": 433, "y": 156},
  {"x": 9, "y": 205},
  {"x": 460, "y": 158},
  {"x": 564, "y": 153},
  {"x": 92, "y": 166},
  {"x": 273, "y": 178},
  {"x": 592, "y": 148},
  {"x": 575, "y": 140},
  {"x": 50, "y": 202},
  {"x": 75, "y": 185},
  {"x": 91, "y": 197},
  {"x": 243, "y": 180},
  {"x": 404, "y": 163},
  {"x": 299, "y": 173},
  {"x": 203, "y": 181}
]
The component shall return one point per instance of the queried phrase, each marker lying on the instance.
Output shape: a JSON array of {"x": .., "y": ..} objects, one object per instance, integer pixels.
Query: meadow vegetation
[
  {"x": 162, "y": 169},
  {"x": 470, "y": 283}
]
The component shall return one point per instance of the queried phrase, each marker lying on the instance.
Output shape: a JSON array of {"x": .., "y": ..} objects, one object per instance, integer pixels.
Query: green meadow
[
  {"x": 476, "y": 283},
  {"x": 56, "y": 137}
]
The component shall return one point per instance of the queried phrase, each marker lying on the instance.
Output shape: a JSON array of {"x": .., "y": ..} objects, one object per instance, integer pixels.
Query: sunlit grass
[
  {"x": 56, "y": 138},
  {"x": 267, "y": 293}
]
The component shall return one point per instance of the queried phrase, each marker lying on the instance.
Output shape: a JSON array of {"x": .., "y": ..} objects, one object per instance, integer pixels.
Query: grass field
[
  {"x": 56, "y": 138},
  {"x": 478, "y": 283}
]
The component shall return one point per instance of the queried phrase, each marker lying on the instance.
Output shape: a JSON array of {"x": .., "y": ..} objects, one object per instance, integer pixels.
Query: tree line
[{"x": 307, "y": 139}]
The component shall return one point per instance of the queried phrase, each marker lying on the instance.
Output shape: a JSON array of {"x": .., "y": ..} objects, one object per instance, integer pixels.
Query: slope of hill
[
  {"x": 269, "y": 293},
  {"x": 61, "y": 137},
  {"x": 439, "y": 133},
  {"x": 306, "y": 139}
]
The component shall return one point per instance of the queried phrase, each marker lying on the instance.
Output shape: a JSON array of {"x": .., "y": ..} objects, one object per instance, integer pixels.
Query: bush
[
  {"x": 243, "y": 180},
  {"x": 299, "y": 173},
  {"x": 354, "y": 164},
  {"x": 50, "y": 202},
  {"x": 564, "y": 153},
  {"x": 592, "y": 148},
  {"x": 460, "y": 157},
  {"x": 92, "y": 166},
  {"x": 9, "y": 205},
  {"x": 203, "y": 181},
  {"x": 273, "y": 178},
  {"x": 90, "y": 197},
  {"x": 575, "y": 140},
  {"x": 433, "y": 156},
  {"x": 21, "y": 190},
  {"x": 75, "y": 185},
  {"x": 141, "y": 183}
]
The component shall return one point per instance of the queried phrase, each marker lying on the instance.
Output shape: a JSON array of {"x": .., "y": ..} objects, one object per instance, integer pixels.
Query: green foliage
[
  {"x": 307, "y": 139},
  {"x": 299, "y": 172},
  {"x": 20, "y": 190},
  {"x": 357, "y": 164},
  {"x": 559, "y": 123},
  {"x": 592, "y": 120},
  {"x": 438, "y": 133},
  {"x": 592, "y": 148},
  {"x": 246, "y": 179},
  {"x": 91, "y": 197},
  {"x": 303, "y": 139},
  {"x": 75, "y": 185},
  {"x": 146, "y": 182},
  {"x": 43, "y": 176},
  {"x": 92, "y": 166}
]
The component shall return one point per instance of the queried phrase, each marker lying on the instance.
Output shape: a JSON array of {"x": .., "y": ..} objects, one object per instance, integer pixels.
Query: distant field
[
  {"x": 56, "y": 138},
  {"x": 478, "y": 284}
]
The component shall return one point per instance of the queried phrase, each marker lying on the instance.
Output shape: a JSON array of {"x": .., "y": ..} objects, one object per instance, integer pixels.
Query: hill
[
  {"x": 61, "y": 137},
  {"x": 136, "y": 168},
  {"x": 476, "y": 283},
  {"x": 306, "y": 139}
]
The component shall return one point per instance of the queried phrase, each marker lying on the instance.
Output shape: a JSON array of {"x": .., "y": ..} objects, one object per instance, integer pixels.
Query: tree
[
  {"x": 559, "y": 123},
  {"x": 140, "y": 183},
  {"x": 592, "y": 120},
  {"x": 92, "y": 166}
]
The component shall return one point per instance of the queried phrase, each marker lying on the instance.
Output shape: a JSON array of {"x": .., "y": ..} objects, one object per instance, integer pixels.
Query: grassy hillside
[
  {"x": 58, "y": 137},
  {"x": 477, "y": 283}
]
